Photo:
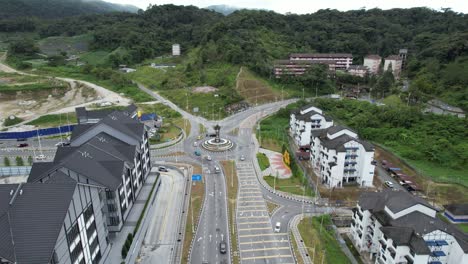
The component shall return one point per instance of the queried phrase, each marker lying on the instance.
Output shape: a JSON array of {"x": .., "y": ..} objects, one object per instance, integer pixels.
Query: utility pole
[
  {"x": 274, "y": 181},
  {"x": 302, "y": 93}
]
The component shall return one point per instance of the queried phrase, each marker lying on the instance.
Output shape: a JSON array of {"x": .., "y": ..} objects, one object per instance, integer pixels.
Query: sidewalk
[{"x": 117, "y": 240}]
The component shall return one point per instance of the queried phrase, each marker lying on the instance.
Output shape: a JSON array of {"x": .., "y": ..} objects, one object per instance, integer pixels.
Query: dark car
[
  {"x": 222, "y": 247},
  {"x": 22, "y": 145},
  {"x": 21, "y": 139},
  {"x": 162, "y": 169}
]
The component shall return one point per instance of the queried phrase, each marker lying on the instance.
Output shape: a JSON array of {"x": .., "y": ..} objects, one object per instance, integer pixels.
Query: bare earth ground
[
  {"x": 81, "y": 93},
  {"x": 204, "y": 89},
  {"x": 254, "y": 90}
]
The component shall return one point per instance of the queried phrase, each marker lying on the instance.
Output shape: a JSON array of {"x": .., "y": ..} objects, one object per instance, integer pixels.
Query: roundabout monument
[{"x": 217, "y": 143}]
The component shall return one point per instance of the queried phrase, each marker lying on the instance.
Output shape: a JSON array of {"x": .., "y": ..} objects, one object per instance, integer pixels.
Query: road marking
[
  {"x": 248, "y": 223},
  {"x": 255, "y": 228},
  {"x": 256, "y": 235},
  {"x": 264, "y": 249},
  {"x": 246, "y": 206},
  {"x": 268, "y": 257},
  {"x": 245, "y": 211},
  {"x": 254, "y": 216},
  {"x": 264, "y": 241}
]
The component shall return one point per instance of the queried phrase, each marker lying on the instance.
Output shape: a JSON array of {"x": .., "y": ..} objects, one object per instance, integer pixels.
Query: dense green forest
[
  {"x": 437, "y": 42},
  {"x": 424, "y": 140},
  {"x": 52, "y": 9}
]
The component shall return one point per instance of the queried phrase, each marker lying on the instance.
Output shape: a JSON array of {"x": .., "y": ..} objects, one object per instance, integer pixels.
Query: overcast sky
[{"x": 309, "y": 6}]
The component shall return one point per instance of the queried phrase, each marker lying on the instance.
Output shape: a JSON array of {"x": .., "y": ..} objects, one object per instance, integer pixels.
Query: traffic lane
[{"x": 385, "y": 176}]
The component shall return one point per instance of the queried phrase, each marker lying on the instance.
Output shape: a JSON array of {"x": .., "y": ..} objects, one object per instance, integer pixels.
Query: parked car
[
  {"x": 22, "y": 145},
  {"x": 389, "y": 184},
  {"x": 222, "y": 247},
  {"x": 162, "y": 169},
  {"x": 277, "y": 227}
]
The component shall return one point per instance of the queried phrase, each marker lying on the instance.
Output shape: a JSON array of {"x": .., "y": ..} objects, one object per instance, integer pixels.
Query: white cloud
[{"x": 310, "y": 6}]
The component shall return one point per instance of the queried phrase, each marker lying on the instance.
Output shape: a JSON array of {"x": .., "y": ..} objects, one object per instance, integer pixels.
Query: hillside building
[
  {"x": 303, "y": 121},
  {"x": 372, "y": 62},
  {"x": 175, "y": 50},
  {"x": 393, "y": 63},
  {"x": 358, "y": 70},
  {"x": 297, "y": 68},
  {"x": 398, "y": 227},
  {"x": 342, "y": 60}
]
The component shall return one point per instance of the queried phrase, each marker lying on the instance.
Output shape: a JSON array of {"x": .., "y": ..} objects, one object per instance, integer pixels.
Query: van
[{"x": 277, "y": 227}]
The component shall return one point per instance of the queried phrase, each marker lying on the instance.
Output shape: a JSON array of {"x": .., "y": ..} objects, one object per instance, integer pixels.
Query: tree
[
  {"x": 23, "y": 46},
  {"x": 384, "y": 83},
  {"x": 6, "y": 162},
  {"x": 19, "y": 161},
  {"x": 30, "y": 160}
]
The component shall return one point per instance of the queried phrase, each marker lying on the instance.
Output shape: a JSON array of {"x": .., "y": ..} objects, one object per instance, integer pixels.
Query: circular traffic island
[{"x": 217, "y": 144}]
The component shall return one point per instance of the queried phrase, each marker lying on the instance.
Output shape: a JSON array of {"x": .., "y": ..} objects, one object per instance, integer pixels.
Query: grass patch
[
  {"x": 54, "y": 120},
  {"x": 263, "y": 161},
  {"x": 318, "y": 234},
  {"x": 11, "y": 122},
  {"x": 293, "y": 185},
  {"x": 232, "y": 188},
  {"x": 271, "y": 207},
  {"x": 45, "y": 85},
  {"x": 353, "y": 249},
  {"x": 95, "y": 57},
  {"x": 197, "y": 194},
  {"x": 254, "y": 89}
]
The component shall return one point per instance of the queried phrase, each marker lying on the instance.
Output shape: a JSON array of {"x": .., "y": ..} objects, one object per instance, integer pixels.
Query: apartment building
[
  {"x": 357, "y": 70},
  {"x": 393, "y": 63},
  {"x": 57, "y": 222},
  {"x": 337, "y": 155},
  {"x": 342, "y": 60},
  {"x": 398, "y": 227},
  {"x": 303, "y": 121},
  {"x": 340, "y": 158},
  {"x": 297, "y": 68},
  {"x": 372, "y": 62}
]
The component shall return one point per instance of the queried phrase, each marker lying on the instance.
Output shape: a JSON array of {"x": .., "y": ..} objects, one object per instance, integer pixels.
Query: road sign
[{"x": 196, "y": 177}]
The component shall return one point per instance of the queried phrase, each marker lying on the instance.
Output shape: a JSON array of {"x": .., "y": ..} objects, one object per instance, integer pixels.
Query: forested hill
[{"x": 51, "y": 9}]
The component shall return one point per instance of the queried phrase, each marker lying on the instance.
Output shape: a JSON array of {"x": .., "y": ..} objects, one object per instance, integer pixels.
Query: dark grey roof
[
  {"x": 338, "y": 143},
  {"x": 79, "y": 129},
  {"x": 457, "y": 209},
  {"x": 405, "y": 236},
  {"x": 418, "y": 222},
  {"x": 81, "y": 112},
  {"x": 63, "y": 152},
  {"x": 335, "y": 129},
  {"x": 38, "y": 169},
  {"x": 113, "y": 146},
  {"x": 125, "y": 124},
  {"x": 34, "y": 219}
]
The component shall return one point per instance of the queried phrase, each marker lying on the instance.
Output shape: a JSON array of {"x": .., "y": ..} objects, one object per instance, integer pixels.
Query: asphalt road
[
  {"x": 213, "y": 228},
  {"x": 161, "y": 237}
]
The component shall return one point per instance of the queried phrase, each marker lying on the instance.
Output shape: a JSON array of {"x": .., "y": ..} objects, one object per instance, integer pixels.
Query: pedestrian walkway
[
  {"x": 277, "y": 166},
  {"x": 299, "y": 241}
]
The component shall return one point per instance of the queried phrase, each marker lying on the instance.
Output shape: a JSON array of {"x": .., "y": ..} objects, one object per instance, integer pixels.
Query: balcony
[
  {"x": 383, "y": 244},
  {"x": 392, "y": 252}
]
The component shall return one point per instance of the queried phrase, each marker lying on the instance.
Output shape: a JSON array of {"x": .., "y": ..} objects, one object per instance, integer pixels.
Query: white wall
[
  {"x": 418, "y": 207},
  {"x": 372, "y": 64},
  {"x": 342, "y": 132}
]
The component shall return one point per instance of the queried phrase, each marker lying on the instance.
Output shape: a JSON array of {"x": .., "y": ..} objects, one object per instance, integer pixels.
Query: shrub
[
  {"x": 19, "y": 161},
  {"x": 6, "y": 162}
]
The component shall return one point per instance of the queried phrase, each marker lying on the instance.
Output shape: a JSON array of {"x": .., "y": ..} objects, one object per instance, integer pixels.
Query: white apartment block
[
  {"x": 342, "y": 60},
  {"x": 372, "y": 62},
  {"x": 393, "y": 63},
  {"x": 175, "y": 50},
  {"x": 337, "y": 155},
  {"x": 303, "y": 121},
  {"x": 398, "y": 227}
]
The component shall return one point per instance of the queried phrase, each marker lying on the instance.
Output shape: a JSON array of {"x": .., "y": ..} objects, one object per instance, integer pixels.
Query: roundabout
[{"x": 217, "y": 144}]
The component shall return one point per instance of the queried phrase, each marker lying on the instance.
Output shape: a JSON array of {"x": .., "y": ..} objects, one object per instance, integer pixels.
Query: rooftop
[
  {"x": 457, "y": 209},
  {"x": 321, "y": 55}
]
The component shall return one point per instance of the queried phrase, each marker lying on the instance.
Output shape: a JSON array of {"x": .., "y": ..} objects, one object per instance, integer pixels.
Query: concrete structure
[
  {"x": 398, "y": 227},
  {"x": 303, "y": 121},
  {"x": 340, "y": 158},
  {"x": 342, "y": 60},
  {"x": 403, "y": 53},
  {"x": 337, "y": 155},
  {"x": 372, "y": 62},
  {"x": 57, "y": 222},
  {"x": 457, "y": 213},
  {"x": 393, "y": 63},
  {"x": 296, "y": 68},
  {"x": 175, "y": 50},
  {"x": 358, "y": 70}
]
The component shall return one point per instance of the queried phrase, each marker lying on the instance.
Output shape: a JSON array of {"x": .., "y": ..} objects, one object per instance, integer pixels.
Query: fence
[
  {"x": 15, "y": 171},
  {"x": 35, "y": 133}
]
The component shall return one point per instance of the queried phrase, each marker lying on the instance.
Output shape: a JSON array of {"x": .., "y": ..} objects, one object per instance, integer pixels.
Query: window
[
  {"x": 72, "y": 233},
  {"x": 111, "y": 208},
  {"x": 76, "y": 252},
  {"x": 97, "y": 258},
  {"x": 114, "y": 221},
  {"x": 88, "y": 213}
]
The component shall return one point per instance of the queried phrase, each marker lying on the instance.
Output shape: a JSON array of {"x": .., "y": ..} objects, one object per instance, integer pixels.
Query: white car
[
  {"x": 40, "y": 157},
  {"x": 242, "y": 158},
  {"x": 195, "y": 144},
  {"x": 208, "y": 157},
  {"x": 389, "y": 184},
  {"x": 216, "y": 169},
  {"x": 277, "y": 227}
]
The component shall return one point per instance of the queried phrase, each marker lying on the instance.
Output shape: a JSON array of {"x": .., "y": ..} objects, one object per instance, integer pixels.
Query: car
[
  {"x": 277, "y": 227},
  {"x": 242, "y": 158},
  {"x": 62, "y": 144},
  {"x": 197, "y": 153},
  {"x": 195, "y": 144},
  {"x": 222, "y": 247},
  {"x": 40, "y": 157},
  {"x": 162, "y": 169},
  {"x": 208, "y": 157},
  {"x": 22, "y": 145},
  {"x": 389, "y": 184},
  {"x": 216, "y": 169},
  {"x": 199, "y": 137}
]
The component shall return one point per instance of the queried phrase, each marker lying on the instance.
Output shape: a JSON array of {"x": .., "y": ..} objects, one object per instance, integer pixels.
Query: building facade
[
  {"x": 372, "y": 62},
  {"x": 342, "y": 60},
  {"x": 393, "y": 63},
  {"x": 398, "y": 227},
  {"x": 297, "y": 68},
  {"x": 337, "y": 155},
  {"x": 358, "y": 70},
  {"x": 175, "y": 49}
]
